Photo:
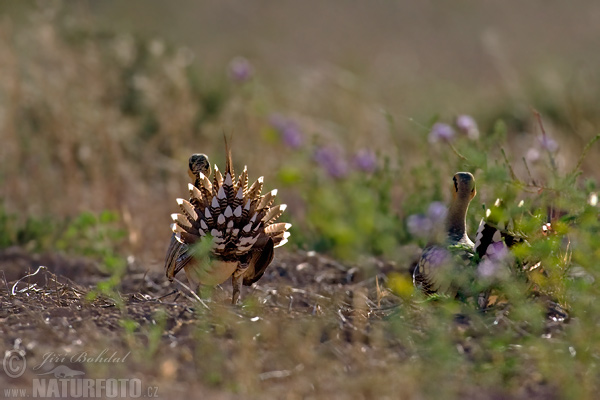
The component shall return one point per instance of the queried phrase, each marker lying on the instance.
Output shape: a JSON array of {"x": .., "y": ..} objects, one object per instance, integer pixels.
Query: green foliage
[
  {"x": 35, "y": 234},
  {"x": 349, "y": 217},
  {"x": 95, "y": 236}
]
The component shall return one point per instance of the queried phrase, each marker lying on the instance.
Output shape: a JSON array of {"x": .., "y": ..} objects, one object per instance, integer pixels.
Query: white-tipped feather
[
  {"x": 181, "y": 220},
  {"x": 215, "y": 203},
  {"x": 228, "y": 212},
  {"x": 256, "y": 187},
  {"x": 247, "y": 240},
  {"x": 228, "y": 180},
  {"x": 238, "y": 211},
  {"x": 220, "y": 193},
  {"x": 278, "y": 227},
  {"x": 240, "y": 193},
  {"x": 187, "y": 208},
  {"x": 247, "y": 227},
  {"x": 207, "y": 214},
  {"x": 497, "y": 237},
  {"x": 274, "y": 213},
  {"x": 203, "y": 225},
  {"x": 267, "y": 199},
  {"x": 221, "y": 219},
  {"x": 284, "y": 241},
  {"x": 195, "y": 193},
  {"x": 178, "y": 238},
  {"x": 205, "y": 182}
]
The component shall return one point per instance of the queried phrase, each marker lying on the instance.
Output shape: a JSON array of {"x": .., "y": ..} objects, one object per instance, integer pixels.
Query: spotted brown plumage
[
  {"x": 440, "y": 266},
  {"x": 236, "y": 218}
]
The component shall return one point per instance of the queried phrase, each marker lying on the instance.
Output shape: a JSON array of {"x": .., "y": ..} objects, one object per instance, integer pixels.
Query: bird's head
[
  {"x": 464, "y": 186},
  {"x": 199, "y": 163}
]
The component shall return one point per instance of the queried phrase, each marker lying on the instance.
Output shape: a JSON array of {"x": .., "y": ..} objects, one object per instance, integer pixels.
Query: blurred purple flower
[
  {"x": 240, "y": 69},
  {"x": 288, "y": 130},
  {"x": 332, "y": 160},
  {"x": 441, "y": 132},
  {"x": 488, "y": 268},
  {"x": 419, "y": 225},
  {"x": 437, "y": 212},
  {"x": 439, "y": 256},
  {"x": 494, "y": 262},
  {"x": 497, "y": 251},
  {"x": 467, "y": 125},
  {"x": 548, "y": 143},
  {"x": 365, "y": 160}
]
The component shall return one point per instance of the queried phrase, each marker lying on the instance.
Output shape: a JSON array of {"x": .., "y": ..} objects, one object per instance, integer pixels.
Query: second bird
[{"x": 442, "y": 268}]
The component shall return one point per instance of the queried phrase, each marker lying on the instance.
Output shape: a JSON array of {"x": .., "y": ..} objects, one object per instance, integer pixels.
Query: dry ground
[{"x": 311, "y": 328}]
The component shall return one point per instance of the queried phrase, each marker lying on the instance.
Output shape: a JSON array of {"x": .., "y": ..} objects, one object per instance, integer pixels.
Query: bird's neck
[{"x": 456, "y": 225}]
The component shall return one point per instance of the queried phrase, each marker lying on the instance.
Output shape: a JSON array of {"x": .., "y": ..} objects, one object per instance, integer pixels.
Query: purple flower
[
  {"x": 288, "y": 130},
  {"x": 548, "y": 143},
  {"x": 438, "y": 256},
  {"x": 365, "y": 160},
  {"x": 332, "y": 160},
  {"x": 441, "y": 132},
  {"x": 419, "y": 225},
  {"x": 437, "y": 212},
  {"x": 493, "y": 264},
  {"x": 497, "y": 251},
  {"x": 240, "y": 69},
  {"x": 467, "y": 125},
  {"x": 488, "y": 268}
]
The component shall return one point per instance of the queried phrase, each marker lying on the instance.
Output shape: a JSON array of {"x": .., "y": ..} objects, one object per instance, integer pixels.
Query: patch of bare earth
[{"x": 311, "y": 327}]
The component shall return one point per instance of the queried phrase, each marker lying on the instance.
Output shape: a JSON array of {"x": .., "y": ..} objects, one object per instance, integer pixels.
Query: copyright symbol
[{"x": 14, "y": 363}]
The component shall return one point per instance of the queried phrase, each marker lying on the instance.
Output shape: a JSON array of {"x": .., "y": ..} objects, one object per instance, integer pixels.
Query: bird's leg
[
  {"x": 236, "y": 281},
  {"x": 237, "y": 288}
]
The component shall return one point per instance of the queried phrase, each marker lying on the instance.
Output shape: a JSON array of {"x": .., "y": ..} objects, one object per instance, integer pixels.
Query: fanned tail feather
[{"x": 237, "y": 217}]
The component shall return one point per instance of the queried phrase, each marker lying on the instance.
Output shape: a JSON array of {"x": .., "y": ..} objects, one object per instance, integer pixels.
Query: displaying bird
[
  {"x": 496, "y": 236},
  {"x": 441, "y": 268},
  {"x": 496, "y": 227},
  {"x": 236, "y": 223}
]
